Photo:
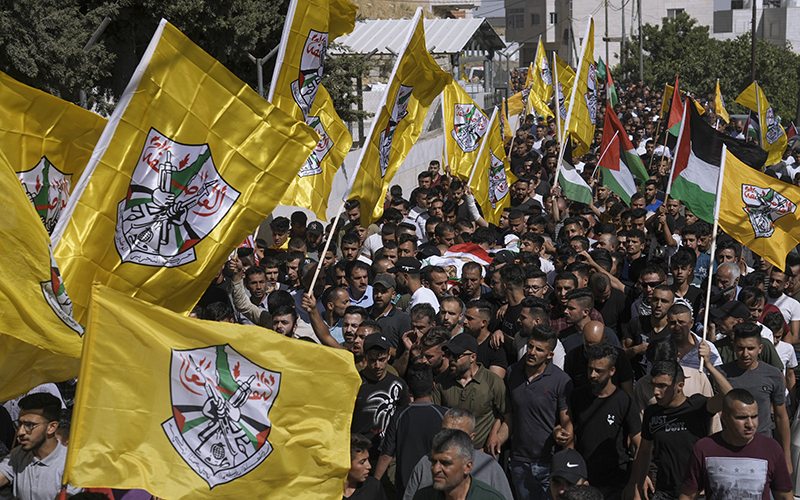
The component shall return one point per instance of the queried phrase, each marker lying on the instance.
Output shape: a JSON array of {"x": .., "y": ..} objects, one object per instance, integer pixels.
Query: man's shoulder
[
  {"x": 485, "y": 374},
  {"x": 480, "y": 491}
]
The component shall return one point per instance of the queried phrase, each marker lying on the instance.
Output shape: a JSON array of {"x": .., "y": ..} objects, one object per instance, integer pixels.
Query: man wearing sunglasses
[{"x": 35, "y": 467}]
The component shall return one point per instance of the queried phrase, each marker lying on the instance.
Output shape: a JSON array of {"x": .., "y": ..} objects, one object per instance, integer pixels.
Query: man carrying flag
[
  {"x": 719, "y": 105},
  {"x": 48, "y": 141},
  {"x": 619, "y": 160},
  {"x": 297, "y": 89},
  {"x": 695, "y": 168},
  {"x": 464, "y": 127},
  {"x": 415, "y": 82},
  {"x": 758, "y": 211},
  {"x": 491, "y": 175},
  {"x": 772, "y": 137},
  {"x": 192, "y": 160}
]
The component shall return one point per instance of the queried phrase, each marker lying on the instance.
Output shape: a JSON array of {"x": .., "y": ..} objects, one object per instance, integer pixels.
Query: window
[
  {"x": 536, "y": 19},
  {"x": 673, "y": 13},
  {"x": 737, "y": 4},
  {"x": 565, "y": 38},
  {"x": 515, "y": 19},
  {"x": 554, "y": 18}
]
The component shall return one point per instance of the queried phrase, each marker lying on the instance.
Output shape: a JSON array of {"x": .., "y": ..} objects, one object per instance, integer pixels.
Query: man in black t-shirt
[
  {"x": 605, "y": 418},
  {"x": 477, "y": 316},
  {"x": 647, "y": 328},
  {"x": 672, "y": 426},
  {"x": 381, "y": 393},
  {"x": 576, "y": 362}
]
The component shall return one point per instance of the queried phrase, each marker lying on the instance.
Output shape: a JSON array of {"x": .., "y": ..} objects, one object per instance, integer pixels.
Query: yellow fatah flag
[
  {"x": 584, "y": 107},
  {"x": 759, "y": 211},
  {"x": 191, "y": 162},
  {"x": 178, "y": 406},
  {"x": 668, "y": 91},
  {"x": 491, "y": 175},
  {"x": 517, "y": 102},
  {"x": 773, "y": 138},
  {"x": 297, "y": 89},
  {"x": 415, "y": 82},
  {"x": 530, "y": 76},
  {"x": 39, "y": 340},
  {"x": 505, "y": 127},
  {"x": 465, "y": 126},
  {"x": 542, "y": 84},
  {"x": 719, "y": 105},
  {"x": 565, "y": 77},
  {"x": 48, "y": 142}
]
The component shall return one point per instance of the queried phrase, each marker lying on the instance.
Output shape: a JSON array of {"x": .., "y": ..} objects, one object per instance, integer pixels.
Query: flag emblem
[
  {"x": 175, "y": 199},
  {"x": 399, "y": 111},
  {"x": 469, "y": 126},
  {"x": 591, "y": 93},
  {"x": 526, "y": 92},
  {"x": 48, "y": 189},
  {"x": 498, "y": 182},
  {"x": 562, "y": 109},
  {"x": 764, "y": 206},
  {"x": 312, "y": 164},
  {"x": 774, "y": 131},
  {"x": 547, "y": 77},
  {"x": 56, "y": 297},
  {"x": 220, "y": 406},
  {"x": 304, "y": 89}
]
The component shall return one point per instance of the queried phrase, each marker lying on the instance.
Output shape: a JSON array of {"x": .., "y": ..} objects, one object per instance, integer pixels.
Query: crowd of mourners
[{"x": 558, "y": 354}]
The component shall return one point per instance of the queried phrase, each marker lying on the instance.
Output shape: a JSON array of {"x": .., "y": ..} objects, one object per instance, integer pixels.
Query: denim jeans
[{"x": 531, "y": 480}]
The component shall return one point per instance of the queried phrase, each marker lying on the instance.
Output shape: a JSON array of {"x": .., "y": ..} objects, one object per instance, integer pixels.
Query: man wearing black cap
[
  {"x": 726, "y": 317},
  {"x": 568, "y": 468},
  {"x": 407, "y": 274},
  {"x": 314, "y": 240},
  {"x": 393, "y": 321},
  {"x": 381, "y": 393},
  {"x": 468, "y": 384}
]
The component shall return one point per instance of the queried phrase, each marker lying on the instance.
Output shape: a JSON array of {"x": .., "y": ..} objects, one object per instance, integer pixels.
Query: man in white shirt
[
  {"x": 407, "y": 275},
  {"x": 789, "y": 307}
]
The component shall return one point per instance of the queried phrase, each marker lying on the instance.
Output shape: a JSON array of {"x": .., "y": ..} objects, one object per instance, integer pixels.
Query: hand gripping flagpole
[{"x": 713, "y": 245}]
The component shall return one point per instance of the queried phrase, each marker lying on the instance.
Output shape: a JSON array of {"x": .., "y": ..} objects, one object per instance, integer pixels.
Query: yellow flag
[
  {"x": 465, "y": 125},
  {"x": 296, "y": 89},
  {"x": 542, "y": 84},
  {"x": 48, "y": 142},
  {"x": 565, "y": 77},
  {"x": 415, "y": 82},
  {"x": 505, "y": 127},
  {"x": 178, "y": 406},
  {"x": 518, "y": 102},
  {"x": 719, "y": 105},
  {"x": 191, "y": 162},
  {"x": 668, "y": 91},
  {"x": 773, "y": 139},
  {"x": 491, "y": 175},
  {"x": 584, "y": 107},
  {"x": 39, "y": 340},
  {"x": 531, "y": 75},
  {"x": 759, "y": 211}
]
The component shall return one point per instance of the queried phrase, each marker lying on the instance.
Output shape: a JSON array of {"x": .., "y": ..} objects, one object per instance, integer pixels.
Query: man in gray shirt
[
  {"x": 35, "y": 467},
  {"x": 484, "y": 468}
]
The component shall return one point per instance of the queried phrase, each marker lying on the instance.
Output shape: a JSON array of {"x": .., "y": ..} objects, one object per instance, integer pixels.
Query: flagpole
[
  {"x": 605, "y": 151},
  {"x": 484, "y": 140},
  {"x": 325, "y": 248},
  {"x": 714, "y": 242},
  {"x": 556, "y": 98},
  {"x": 677, "y": 149},
  {"x": 761, "y": 132},
  {"x": 444, "y": 138}
]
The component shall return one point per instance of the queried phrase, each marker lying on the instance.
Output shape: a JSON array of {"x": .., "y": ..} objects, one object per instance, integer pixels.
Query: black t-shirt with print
[
  {"x": 674, "y": 431},
  {"x": 376, "y": 402}
]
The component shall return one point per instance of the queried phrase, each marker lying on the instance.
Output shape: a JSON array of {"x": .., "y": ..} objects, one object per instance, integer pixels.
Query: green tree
[
  {"x": 680, "y": 46},
  {"x": 342, "y": 69}
]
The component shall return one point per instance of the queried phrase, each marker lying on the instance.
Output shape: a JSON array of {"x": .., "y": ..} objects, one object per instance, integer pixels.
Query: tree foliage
[
  {"x": 680, "y": 46},
  {"x": 342, "y": 68}
]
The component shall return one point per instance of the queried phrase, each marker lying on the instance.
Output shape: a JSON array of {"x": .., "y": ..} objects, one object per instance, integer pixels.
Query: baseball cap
[
  {"x": 384, "y": 280},
  {"x": 733, "y": 308},
  {"x": 376, "y": 341},
  {"x": 406, "y": 265},
  {"x": 568, "y": 464},
  {"x": 504, "y": 257},
  {"x": 462, "y": 343},
  {"x": 315, "y": 228}
]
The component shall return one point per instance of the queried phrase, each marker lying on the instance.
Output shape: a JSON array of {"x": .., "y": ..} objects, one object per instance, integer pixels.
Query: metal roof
[{"x": 442, "y": 36}]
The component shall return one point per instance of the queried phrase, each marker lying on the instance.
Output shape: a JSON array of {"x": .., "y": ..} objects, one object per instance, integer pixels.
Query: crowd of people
[{"x": 561, "y": 353}]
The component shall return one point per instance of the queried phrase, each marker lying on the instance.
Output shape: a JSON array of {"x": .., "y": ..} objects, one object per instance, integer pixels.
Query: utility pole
[
  {"x": 641, "y": 43},
  {"x": 608, "y": 61},
  {"x": 753, "y": 49},
  {"x": 622, "y": 38},
  {"x": 259, "y": 62}
]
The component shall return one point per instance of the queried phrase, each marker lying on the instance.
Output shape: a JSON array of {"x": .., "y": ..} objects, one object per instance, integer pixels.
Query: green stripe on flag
[
  {"x": 700, "y": 202},
  {"x": 675, "y": 130},
  {"x": 610, "y": 181},
  {"x": 574, "y": 189},
  {"x": 637, "y": 168}
]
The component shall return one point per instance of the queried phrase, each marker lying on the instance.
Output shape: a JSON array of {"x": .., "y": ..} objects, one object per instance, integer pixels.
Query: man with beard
[
  {"x": 472, "y": 286},
  {"x": 789, "y": 307},
  {"x": 520, "y": 194},
  {"x": 35, "y": 467},
  {"x": 644, "y": 329},
  {"x": 393, "y": 321},
  {"x": 538, "y": 419},
  {"x": 431, "y": 352},
  {"x": 476, "y": 323},
  {"x": 468, "y": 384},
  {"x": 605, "y": 419},
  {"x": 451, "y": 315},
  {"x": 407, "y": 274},
  {"x": 576, "y": 362}
]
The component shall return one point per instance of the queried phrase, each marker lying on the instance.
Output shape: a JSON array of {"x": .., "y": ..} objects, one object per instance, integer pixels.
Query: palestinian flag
[
  {"x": 620, "y": 161},
  {"x": 752, "y": 128},
  {"x": 695, "y": 170},
  {"x": 573, "y": 185},
  {"x": 791, "y": 132},
  {"x": 611, "y": 91},
  {"x": 675, "y": 111}
]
